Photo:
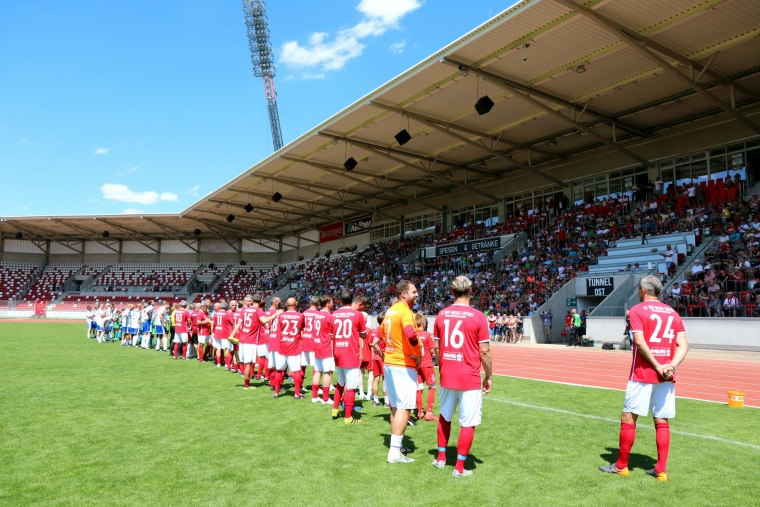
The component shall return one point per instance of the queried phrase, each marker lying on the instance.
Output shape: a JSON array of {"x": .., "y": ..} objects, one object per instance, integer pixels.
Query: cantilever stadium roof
[{"x": 564, "y": 79}]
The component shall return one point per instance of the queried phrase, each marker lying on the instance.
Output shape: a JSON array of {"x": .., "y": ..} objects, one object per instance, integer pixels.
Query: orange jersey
[{"x": 397, "y": 346}]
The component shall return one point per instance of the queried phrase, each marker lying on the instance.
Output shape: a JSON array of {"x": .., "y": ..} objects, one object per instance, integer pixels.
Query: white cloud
[
  {"x": 398, "y": 47},
  {"x": 329, "y": 54},
  {"x": 131, "y": 168},
  {"x": 101, "y": 151},
  {"x": 132, "y": 211},
  {"x": 24, "y": 140},
  {"x": 122, "y": 193}
]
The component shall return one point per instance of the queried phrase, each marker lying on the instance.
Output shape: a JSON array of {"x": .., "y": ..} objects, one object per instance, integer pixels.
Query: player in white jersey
[
  {"x": 160, "y": 325},
  {"x": 89, "y": 317},
  {"x": 146, "y": 318}
]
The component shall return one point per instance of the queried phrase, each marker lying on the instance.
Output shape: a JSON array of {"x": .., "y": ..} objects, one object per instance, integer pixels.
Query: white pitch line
[{"x": 611, "y": 420}]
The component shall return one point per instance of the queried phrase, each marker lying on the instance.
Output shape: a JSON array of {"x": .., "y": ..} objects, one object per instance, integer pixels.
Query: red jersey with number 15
[
  {"x": 660, "y": 324},
  {"x": 460, "y": 330},
  {"x": 249, "y": 331}
]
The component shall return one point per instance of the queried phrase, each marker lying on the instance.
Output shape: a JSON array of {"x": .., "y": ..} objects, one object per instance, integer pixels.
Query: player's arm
[
  {"x": 646, "y": 353},
  {"x": 486, "y": 363},
  {"x": 682, "y": 348},
  {"x": 270, "y": 318},
  {"x": 376, "y": 347}
]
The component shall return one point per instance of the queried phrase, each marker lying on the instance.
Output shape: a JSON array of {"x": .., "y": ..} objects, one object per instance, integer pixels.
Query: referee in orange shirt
[{"x": 402, "y": 358}]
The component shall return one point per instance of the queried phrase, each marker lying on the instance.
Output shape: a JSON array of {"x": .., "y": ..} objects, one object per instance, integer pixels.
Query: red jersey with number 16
[
  {"x": 660, "y": 324},
  {"x": 460, "y": 330}
]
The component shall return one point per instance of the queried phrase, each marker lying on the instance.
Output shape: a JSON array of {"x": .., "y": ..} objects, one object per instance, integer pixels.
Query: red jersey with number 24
[
  {"x": 660, "y": 324},
  {"x": 460, "y": 330}
]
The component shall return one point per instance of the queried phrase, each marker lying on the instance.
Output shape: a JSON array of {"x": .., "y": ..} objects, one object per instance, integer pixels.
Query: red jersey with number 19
[
  {"x": 660, "y": 324},
  {"x": 323, "y": 328},
  {"x": 460, "y": 330}
]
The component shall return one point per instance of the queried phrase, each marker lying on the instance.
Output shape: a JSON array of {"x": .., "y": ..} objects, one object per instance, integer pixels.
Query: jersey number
[
  {"x": 667, "y": 333},
  {"x": 343, "y": 329},
  {"x": 455, "y": 335}
]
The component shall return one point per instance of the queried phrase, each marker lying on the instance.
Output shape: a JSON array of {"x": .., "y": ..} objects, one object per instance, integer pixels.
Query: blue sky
[{"x": 145, "y": 107}]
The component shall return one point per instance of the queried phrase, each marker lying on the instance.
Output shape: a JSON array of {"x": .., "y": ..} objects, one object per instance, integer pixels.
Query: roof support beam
[
  {"x": 642, "y": 45},
  {"x": 173, "y": 234},
  {"x": 467, "y": 140},
  {"x": 384, "y": 152},
  {"x": 212, "y": 226},
  {"x": 519, "y": 92},
  {"x": 132, "y": 234},
  {"x": 89, "y": 235},
  {"x": 555, "y": 100}
]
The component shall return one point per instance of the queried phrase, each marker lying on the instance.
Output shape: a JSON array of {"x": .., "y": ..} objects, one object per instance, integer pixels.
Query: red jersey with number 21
[
  {"x": 660, "y": 324},
  {"x": 460, "y": 330}
]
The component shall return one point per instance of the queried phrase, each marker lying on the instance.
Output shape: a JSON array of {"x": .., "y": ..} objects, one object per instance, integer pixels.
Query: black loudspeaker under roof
[
  {"x": 197, "y": 232},
  {"x": 276, "y": 197},
  {"x": 230, "y": 218},
  {"x": 484, "y": 104},
  {"x": 403, "y": 137},
  {"x": 106, "y": 234},
  {"x": 350, "y": 164},
  {"x": 248, "y": 207},
  {"x": 19, "y": 235}
]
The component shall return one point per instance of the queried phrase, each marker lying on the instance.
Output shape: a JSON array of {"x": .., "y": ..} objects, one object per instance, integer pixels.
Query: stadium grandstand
[{"x": 554, "y": 174}]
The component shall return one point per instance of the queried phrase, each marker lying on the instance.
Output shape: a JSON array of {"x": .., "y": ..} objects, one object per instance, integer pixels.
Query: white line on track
[{"x": 611, "y": 420}]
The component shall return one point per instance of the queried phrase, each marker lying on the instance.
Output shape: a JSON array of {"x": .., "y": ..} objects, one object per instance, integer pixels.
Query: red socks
[
  {"x": 176, "y": 350},
  {"x": 228, "y": 361},
  {"x": 430, "y": 399},
  {"x": 419, "y": 401},
  {"x": 262, "y": 367},
  {"x": 201, "y": 352},
  {"x": 337, "y": 396},
  {"x": 298, "y": 381},
  {"x": 349, "y": 398},
  {"x": 627, "y": 437},
  {"x": 444, "y": 430},
  {"x": 314, "y": 391},
  {"x": 325, "y": 393},
  {"x": 184, "y": 351},
  {"x": 279, "y": 376},
  {"x": 662, "y": 438},
  {"x": 466, "y": 433}
]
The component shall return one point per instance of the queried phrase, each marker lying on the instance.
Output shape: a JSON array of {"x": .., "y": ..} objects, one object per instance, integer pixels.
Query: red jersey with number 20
[
  {"x": 660, "y": 324},
  {"x": 347, "y": 324},
  {"x": 460, "y": 330}
]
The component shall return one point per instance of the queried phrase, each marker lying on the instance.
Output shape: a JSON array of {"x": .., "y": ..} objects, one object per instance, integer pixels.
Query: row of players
[{"x": 337, "y": 340}]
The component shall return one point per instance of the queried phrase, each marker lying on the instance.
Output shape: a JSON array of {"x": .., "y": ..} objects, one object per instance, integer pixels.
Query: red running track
[{"x": 697, "y": 378}]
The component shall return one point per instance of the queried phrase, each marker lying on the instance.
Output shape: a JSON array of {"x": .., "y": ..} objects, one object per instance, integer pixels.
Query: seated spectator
[{"x": 731, "y": 304}]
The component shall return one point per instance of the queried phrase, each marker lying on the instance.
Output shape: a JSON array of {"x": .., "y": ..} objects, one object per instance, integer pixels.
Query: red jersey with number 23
[
  {"x": 291, "y": 324},
  {"x": 660, "y": 324},
  {"x": 460, "y": 330}
]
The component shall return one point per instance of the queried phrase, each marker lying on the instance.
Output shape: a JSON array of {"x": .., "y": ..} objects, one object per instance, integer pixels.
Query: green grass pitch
[{"x": 98, "y": 424}]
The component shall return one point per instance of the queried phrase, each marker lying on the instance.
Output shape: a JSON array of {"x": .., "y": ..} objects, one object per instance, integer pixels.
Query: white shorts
[
  {"x": 660, "y": 398},
  {"x": 180, "y": 338},
  {"x": 271, "y": 361},
  {"x": 262, "y": 349},
  {"x": 293, "y": 363},
  {"x": 350, "y": 378},
  {"x": 247, "y": 353},
  {"x": 221, "y": 344},
  {"x": 470, "y": 405},
  {"x": 401, "y": 384},
  {"x": 307, "y": 358},
  {"x": 203, "y": 339},
  {"x": 324, "y": 364}
]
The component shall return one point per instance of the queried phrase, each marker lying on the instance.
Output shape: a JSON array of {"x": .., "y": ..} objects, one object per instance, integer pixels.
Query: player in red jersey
[
  {"x": 426, "y": 371},
  {"x": 181, "y": 329},
  {"x": 237, "y": 312},
  {"x": 203, "y": 324},
  {"x": 360, "y": 305},
  {"x": 273, "y": 345},
  {"x": 659, "y": 347},
  {"x": 349, "y": 329},
  {"x": 324, "y": 363},
  {"x": 251, "y": 322},
  {"x": 221, "y": 327},
  {"x": 307, "y": 335},
  {"x": 377, "y": 342},
  {"x": 462, "y": 340},
  {"x": 289, "y": 354}
]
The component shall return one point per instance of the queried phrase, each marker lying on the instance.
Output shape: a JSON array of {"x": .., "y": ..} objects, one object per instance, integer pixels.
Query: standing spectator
[
  {"x": 651, "y": 384},
  {"x": 546, "y": 317}
]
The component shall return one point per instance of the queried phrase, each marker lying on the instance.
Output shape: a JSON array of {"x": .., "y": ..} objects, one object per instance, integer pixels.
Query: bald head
[{"x": 291, "y": 303}]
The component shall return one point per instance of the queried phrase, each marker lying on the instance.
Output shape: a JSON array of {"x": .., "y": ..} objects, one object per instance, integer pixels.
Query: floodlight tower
[{"x": 262, "y": 59}]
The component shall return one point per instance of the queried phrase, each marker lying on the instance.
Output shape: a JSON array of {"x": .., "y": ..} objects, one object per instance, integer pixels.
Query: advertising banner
[{"x": 331, "y": 232}]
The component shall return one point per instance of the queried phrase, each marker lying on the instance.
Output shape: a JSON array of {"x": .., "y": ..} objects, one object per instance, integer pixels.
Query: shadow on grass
[
  {"x": 451, "y": 458},
  {"x": 408, "y": 445},
  {"x": 635, "y": 460},
  {"x": 386, "y": 416}
]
